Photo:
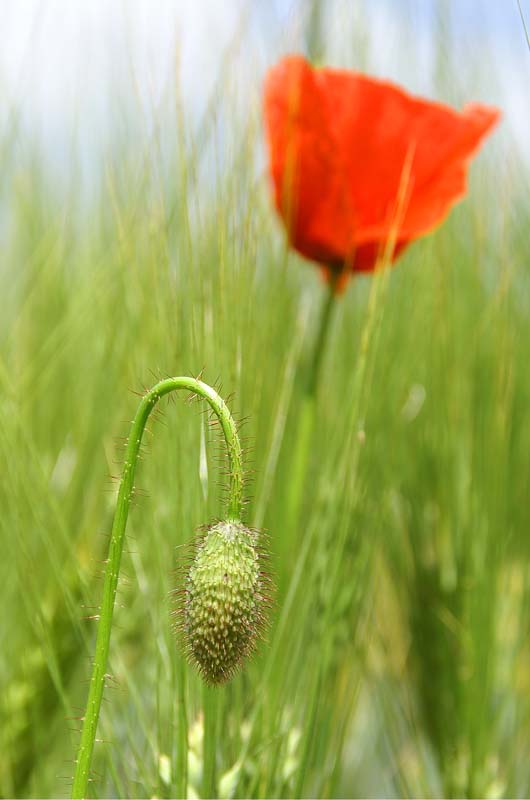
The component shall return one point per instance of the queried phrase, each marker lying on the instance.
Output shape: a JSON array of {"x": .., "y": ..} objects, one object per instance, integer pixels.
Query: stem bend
[{"x": 235, "y": 501}]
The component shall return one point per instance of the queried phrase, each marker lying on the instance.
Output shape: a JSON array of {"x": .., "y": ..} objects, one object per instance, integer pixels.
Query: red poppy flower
[{"x": 344, "y": 148}]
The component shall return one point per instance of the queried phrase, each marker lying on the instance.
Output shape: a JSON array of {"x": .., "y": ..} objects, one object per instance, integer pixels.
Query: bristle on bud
[{"x": 225, "y": 596}]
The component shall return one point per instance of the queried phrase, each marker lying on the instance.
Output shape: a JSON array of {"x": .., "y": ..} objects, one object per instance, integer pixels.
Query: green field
[{"x": 397, "y": 662}]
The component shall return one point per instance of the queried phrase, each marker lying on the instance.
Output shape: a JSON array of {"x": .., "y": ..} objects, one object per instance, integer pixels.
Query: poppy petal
[{"x": 346, "y": 149}]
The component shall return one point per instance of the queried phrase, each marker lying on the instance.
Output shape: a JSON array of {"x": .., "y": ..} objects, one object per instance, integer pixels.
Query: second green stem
[{"x": 307, "y": 414}]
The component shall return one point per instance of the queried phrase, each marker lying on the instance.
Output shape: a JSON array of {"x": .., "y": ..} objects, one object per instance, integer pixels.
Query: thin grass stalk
[{"x": 211, "y": 714}]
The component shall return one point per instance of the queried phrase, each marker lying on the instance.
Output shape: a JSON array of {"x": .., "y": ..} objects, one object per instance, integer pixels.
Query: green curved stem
[{"x": 99, "y": 668}]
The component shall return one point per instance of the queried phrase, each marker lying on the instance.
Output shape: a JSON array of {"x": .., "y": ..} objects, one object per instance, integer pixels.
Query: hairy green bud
[{"x": 224, "y": 599}]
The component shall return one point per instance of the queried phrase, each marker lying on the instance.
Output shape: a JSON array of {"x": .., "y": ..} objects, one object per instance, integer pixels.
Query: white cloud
[{"x": 64, "y": 63}]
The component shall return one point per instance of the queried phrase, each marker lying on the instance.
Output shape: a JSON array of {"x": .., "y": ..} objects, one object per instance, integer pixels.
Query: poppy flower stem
[
  {"x": 322, "y": 337},
  {"x": 308, "y": 412},
  {"x": 110, "y": 586}
]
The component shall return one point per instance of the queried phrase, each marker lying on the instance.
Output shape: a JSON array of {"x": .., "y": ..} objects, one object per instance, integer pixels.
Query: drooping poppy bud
[{"x": 224, "y": 599}]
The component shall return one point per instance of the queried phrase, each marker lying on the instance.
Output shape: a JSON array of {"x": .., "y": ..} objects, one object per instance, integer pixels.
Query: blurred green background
[{"x": 137, "y": 240}]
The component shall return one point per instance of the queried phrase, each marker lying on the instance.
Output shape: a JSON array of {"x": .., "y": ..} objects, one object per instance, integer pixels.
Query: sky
[{"x": 63, "y": 63}]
